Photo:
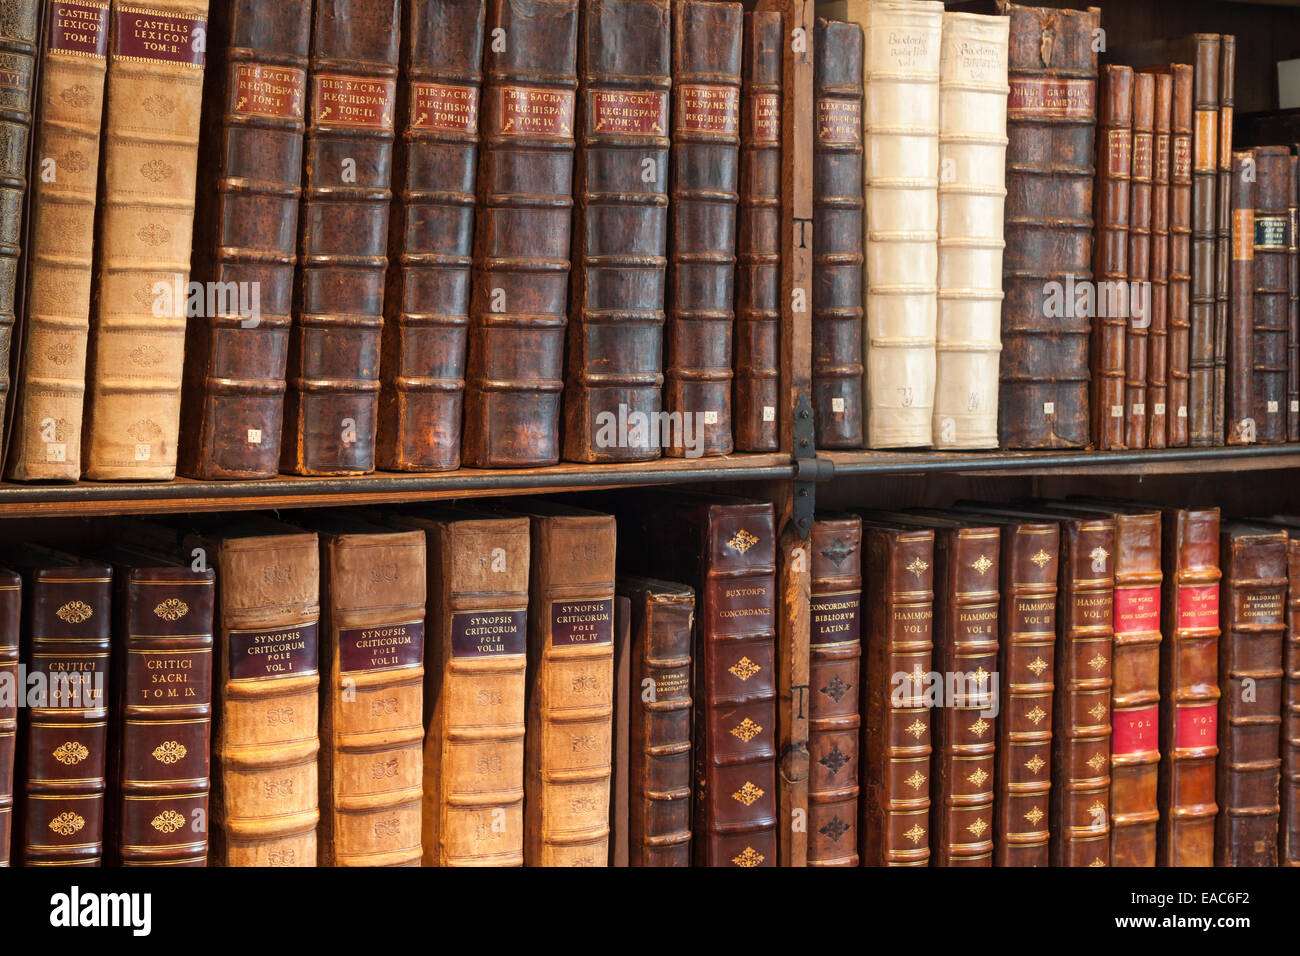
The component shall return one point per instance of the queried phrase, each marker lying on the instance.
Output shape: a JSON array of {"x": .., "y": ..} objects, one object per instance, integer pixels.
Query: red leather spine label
[
  {"x": 628, "y": 112},
  {"x": 278, "y": 92},
  {"x": 835, "y": 618},
  {"x": 159, "y": 38},
  {"x": 1137, "y": 610},
  {"x": 353, "y": 102},
  {"x": 441, "y": 106},
  {"x": 1142, "y": 155},
  {"x": 168, "y": 677},
  {"x": 766, "y": 121},
  {"x": 259, "y": 655},
  {"x": 74, "y": 680},
  {"x": 1135, "y": 731},
  {"x": 80, "y": 28},
  {"x": 1040, "y": 97},
  {"x": 1162, "y": 151},
  {"x": 582, "y": 622},
  {"x": 1182, "y": 169},
  {"x": 488, "y": 633},
  {"x": 381, "y": 648},
  {"x": 709, "y": 109},
  {"x": 839, "y": 122},
  {"x": 1119, "y": 152},
  {"x": 1196, "y": 726},
  {"x": 532, "y": 111},
  {"x": 1198, "y": 605}
]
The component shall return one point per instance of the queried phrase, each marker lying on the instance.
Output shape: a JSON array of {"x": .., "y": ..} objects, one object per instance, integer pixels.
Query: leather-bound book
[
  {"x": 1139, "y": 305},
  {"x": 1051, "y": 120},
  {"x": 10, "y": 621},
  {"x": 338, "y": 307},
  {"x": 1272, "y": 292},
  {"x": 63, "y": 742},
  {"x": 246, "y": 228},
  {"x": 972, "y": 197},
  {"x": 618, "y": 783},
  {"x": 1157, "y": 370},
  {"x": 1189, "y": 688},
  {"x": 51, "y": 383},
  {"x": 1110, "y": 266},
  {"x": 1223, "y": 227},
  {"x": 898, "y": 617},
  {"x": 1288, "y": 844},
  {"x": 161, "y": 714},
  {"x": 372, "y": 662},
  {"x": 153, "y": 97},
  {"x": 569, "y": 691},
  {"x": 473, "y": 810},
  {"x": 834, "y": 673},
  {"x": 620, "y": 230},
  {"x": 1204, "y": 56},
  {"x": 1293, "y": 304},
  {"x": 837, "y": 236},
  {"x": 758, "y": 237},
  {"x": 661, "y": 615},
  {"x": 1253, "y": 620},
  {"x": 431, "y": 232},
  {"x": 704, "y": 189},
  {"x": 520, "y": 278},
  {"x": 1180, "y": 254},
  {"x": 1240, "y": 385}
]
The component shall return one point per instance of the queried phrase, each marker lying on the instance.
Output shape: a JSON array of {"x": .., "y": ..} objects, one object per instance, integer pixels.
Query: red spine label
[
  {"x": 1037, "y": 97},
  {"x": 582, "y": 622},
  {"x": 79, "y": 28},
  {"x": 488, "y": 633},
  {"x": 1196, "y": 726},
  {"x": 276, "y": 92},
  {"x": 169, "y": 677},
  {"x": 159, "y": 37},
  {"x": 449, "y": 109},
  {"x": 280, "y": 652},
  {"x": 627, "y": 112},
  {"x": 531, "y": 111},
  {"x": 1137, "y": 610},
  {"x": 1162, "y": 158},
  {"x": 1198, "y": 605},
  {"x": 353, "y": 102},
  {"x": 1182, "y": 168},
  {"x": 1142, "y": 156},
  {"x": 1119, "y": 151},
  {"x": 381, "y": 648},
  {"x": 709, "y": 109},
  {"x": 835, "y": 618},
  {"x": 839, "y": 122},
  {"x": 1135, "y": 731},
  {"x": 765, "y": 120}
]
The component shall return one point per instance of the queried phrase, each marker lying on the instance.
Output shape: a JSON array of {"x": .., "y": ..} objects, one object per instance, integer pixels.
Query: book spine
[
  {"x": 1189, "y": 689},
  {"x": 371, "y": 729},
  {"x": 834, "y": 720},
  {"x": 1157, "y": 371},
  {"x": 332, "y": 397},
  {"x": 704, "y": 193},
  {"x": 1289, "y": 787},
  {"x": 153, "y": 95},
  {"x": 10, "y": 620},
  {"x": 620, "y": 229},
  {"x": 837, "y": 236},
  {"x": 1250, "y": 710},
  {"x": 758, "y": 237},
  {"x": 1223, "y": 227},
  {"x": 51, "y": 385},
  {"x": 1205, "y": 104},
  {"x": 1272, "y": 292},
  {"x": 1242, "y": 427},
  {"x": 1030, "y": 553},
  {"x": 163, "y": 717},
  {"x": 1180, "y": 254},
  {"x": 246, "y": 224},
  {"x": 1293, "y": 302},
  {"x": 1114, "y": 173},
  {"x": 1138, "y": 289}
]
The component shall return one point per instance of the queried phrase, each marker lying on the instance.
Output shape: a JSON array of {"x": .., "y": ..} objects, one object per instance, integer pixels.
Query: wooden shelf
[{"x": 1166, "y": 461}]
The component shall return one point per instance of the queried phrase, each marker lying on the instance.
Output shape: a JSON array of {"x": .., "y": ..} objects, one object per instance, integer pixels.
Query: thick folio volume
[
  {"x": 1157, "y": 370},
  {"x": 834, "y": 675},
  {"x": 11, "y": 585},
  {"x": 1051, "y": 118},
  {"x": 620, "y": 230},
  {"x": 520, "y": 279},
  {"x": 338, "y": 308},
  {"x": 1138, "y": 301},
  {"x": 246, "y": 221},
  {"x": 702, "y": 234},
  {"x": 153, "y": 98},
  {"x": 1272, "y": 287},
  {"x": 1239, "y": 400},
  {"x": 837, "y": 236},
  {"x": 51, "y": 386},
  {"x": 431, "y": 234}
]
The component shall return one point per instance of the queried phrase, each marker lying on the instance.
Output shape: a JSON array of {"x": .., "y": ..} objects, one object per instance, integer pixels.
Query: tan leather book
[
  {"x": 1157, "y": 371},
  {"x": 972, "y": 195},
  {"x": 1288, "y": 848},
  {"x": 1138, "y": 305},
  {"x": 1180, "y": 253},
  {"x": 51, "y": 385},
  {"x": 153, "y": 97},
  {"x": 1110, "y": 254}
]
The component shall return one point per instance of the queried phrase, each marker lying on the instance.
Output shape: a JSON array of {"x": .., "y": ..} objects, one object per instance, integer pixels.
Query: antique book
[
  {"x": 661, "y": 615},
  {"x": 473, "y": 807},
  {"x": 1272, "y": 286},
  {"x": 520, "y": 278},
  {"x": 1157, "y": 370},
  {"x": 1242, "y": 429},
  {"x": 1139, "y": 307},
  {"x": 898, "y": 613},
  {"x": 834, "y": 673},
  {"x": 1253, "y": 620},
  {"x": 332, "y": 395},
  {"x": 63, "y": 732},
  {"x": 372, "y": 665},
  {"x": 51, "y": 384},
  {"x": 1180, "y": 254},
  {"x": 569, "y": 688},
  {"x": 153, "y": 96},
  {"x": 1223, "y": 226},
  {"x": 837, "y": 235},
  {"x": 619, "y": 756},
  {"x": 758, "y": 237},
  {"x": 704, "y": 191},
  {"x": 431, "y": 234},
  {"x": 620, "y": 230},
  {"x": 161, "y": 713},
  {"x": 1110, "y": 265},
  {"x": 972, "y": 196},
  {"x": 10, "y": 629},
  {"x": 1051, "y": 117},
  {"x": 1288, "y": 847},
  {"x": 246, "y": 224},
  {"x": 1293, "y": 303},
  {"x": 1189, "y": 687},
  {"x": 1204, "y": 57}
]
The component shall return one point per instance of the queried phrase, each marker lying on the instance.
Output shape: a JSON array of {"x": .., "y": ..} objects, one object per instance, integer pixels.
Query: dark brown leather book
[
  {"x": 246, "y": 230},
  {"x": 661, "y": 615},
  {"x": 620, "y": 230},
  {"x": 1223, "y": 227},
  {"x": 1252, "y": 618},
  {"x": 758, "y": 237},
  {"x": 520, "y": 279},
  {"x": 333, "y": 365},
  {"x": 431, "y": 232},
  {"x": 834, "y": 672},
  {"x": 702, "y": 235},
  {"x": 63, "y": 743},
  {"x": 1293, "y": 303},
  {"x": 1180, "y": 254},
  {"x": 1139, "y": 307},
  {"x": 1110, "y": 255},
  {"x": 1203, "y": 53},
  {"x": 837, "y": 235},
  {"x": 1240, "y": 399},
  {"x": 1189, "y": 688},
  {"x": 160, "y": 740},
  {"x": 1051, "y": 121},
  {"x": 1157, "y": 370},
  {"x": 1289, "y": 786},
  {"x": 11, "y": 585},
  {"x": 1272, "y": 287}
]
